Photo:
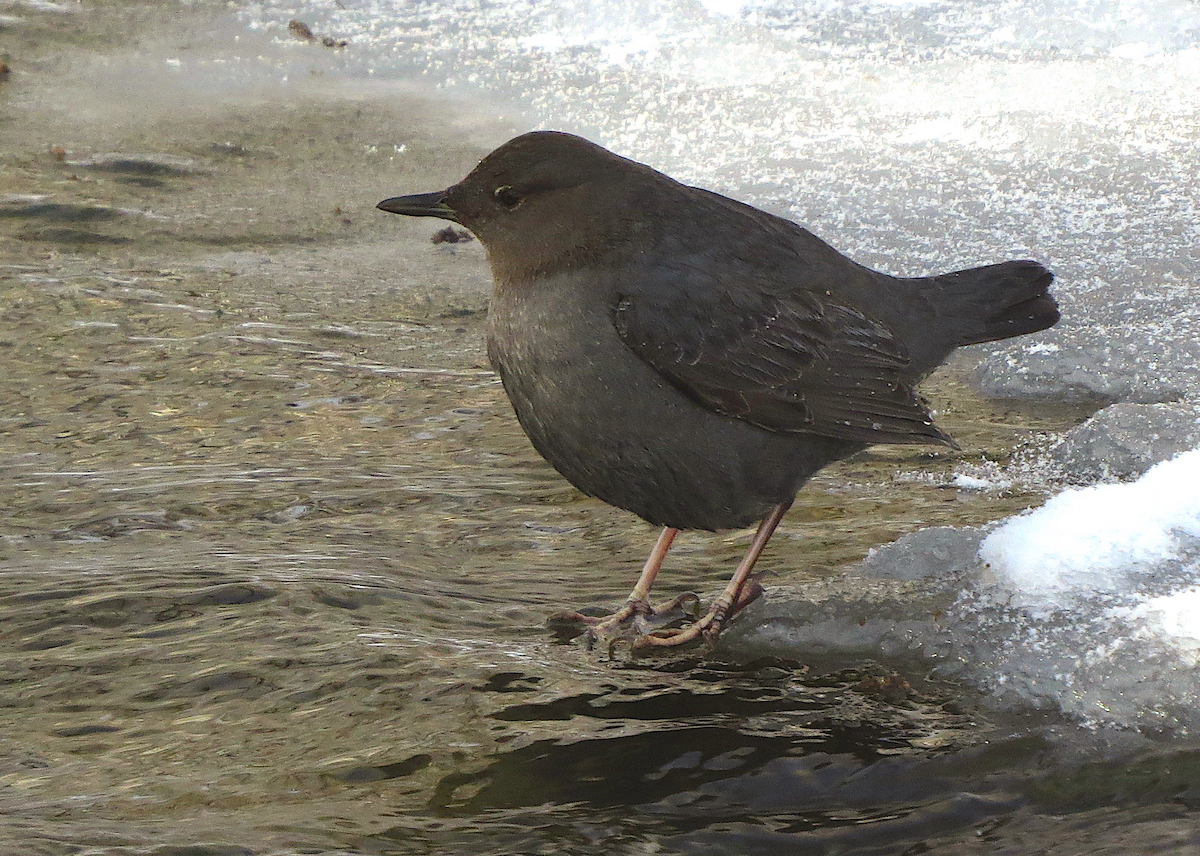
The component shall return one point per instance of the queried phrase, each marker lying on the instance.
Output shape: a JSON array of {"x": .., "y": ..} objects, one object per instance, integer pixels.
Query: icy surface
[
  {"x": 1125, "y": 440},
  {"x": 1089, "y": 604},
  {"x": 1150, "y": 358},
  {"x": 940, "y": 554},
  {"x": 915, "y": 135}
]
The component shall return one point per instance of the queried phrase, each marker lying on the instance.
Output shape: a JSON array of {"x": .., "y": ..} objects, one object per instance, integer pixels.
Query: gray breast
[{"x": 617, "y": 430}]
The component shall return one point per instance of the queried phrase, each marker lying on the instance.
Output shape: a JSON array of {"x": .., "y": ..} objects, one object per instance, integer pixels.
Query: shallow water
[{"x": 275, "y": 558}]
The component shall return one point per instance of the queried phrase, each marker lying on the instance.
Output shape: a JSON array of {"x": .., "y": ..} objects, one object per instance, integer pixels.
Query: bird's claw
[
  {"x": 635, "y": 619},
  {"x": 644, "y": 627},
  {"x": 706, "y": 629}
]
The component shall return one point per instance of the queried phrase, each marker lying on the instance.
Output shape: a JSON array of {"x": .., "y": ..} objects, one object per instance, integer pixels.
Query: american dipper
[{"x": 694, "y": 360}]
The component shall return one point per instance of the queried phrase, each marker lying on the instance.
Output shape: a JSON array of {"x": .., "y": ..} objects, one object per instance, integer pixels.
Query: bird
[{"x": 695, "y": 360}]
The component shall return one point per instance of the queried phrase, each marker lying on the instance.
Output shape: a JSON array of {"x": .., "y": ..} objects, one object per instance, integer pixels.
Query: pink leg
[
  {"x": 641, "y": 590},
  {"x": 709, "y": 626},
  {"x": 638, "y": 602}
]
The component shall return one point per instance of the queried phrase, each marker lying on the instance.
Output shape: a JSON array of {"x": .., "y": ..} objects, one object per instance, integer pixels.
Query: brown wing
[{"x": 798, "y": 362}]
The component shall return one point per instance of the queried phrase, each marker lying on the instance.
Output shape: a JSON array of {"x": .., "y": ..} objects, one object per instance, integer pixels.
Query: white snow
[{"x": 1090, "y": 541}]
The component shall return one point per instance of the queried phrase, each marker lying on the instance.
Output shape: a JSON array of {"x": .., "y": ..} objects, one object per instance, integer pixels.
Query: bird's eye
[{"x": 507, "y": 196}]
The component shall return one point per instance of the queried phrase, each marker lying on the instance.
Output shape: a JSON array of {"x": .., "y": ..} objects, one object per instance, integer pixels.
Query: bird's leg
[
  {"x": 638, "y": 601},
  {"x": 637, "y": 605},
  {"x": 735, "y": 596}
]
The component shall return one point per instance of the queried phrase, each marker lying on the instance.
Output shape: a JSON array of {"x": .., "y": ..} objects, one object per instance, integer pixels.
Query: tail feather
[{"x": 996, "y": 302}]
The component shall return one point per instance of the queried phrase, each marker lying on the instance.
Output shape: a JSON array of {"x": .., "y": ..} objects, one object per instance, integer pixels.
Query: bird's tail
[{"x": 995, "y": 302}]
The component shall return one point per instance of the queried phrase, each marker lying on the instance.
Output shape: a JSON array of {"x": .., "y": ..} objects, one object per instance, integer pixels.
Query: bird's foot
[
  {"x": 707, "y": 628},
  {"x": 632, "y": 621}
]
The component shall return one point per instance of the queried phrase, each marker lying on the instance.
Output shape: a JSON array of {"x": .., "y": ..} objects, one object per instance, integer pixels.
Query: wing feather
[{"x": 797, "y": 362}]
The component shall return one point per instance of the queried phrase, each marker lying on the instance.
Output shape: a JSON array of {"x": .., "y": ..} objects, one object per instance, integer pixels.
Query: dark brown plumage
[{"x": 695, "y": 360}]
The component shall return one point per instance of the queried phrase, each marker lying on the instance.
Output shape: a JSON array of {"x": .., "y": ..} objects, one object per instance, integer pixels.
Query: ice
[
  {"x": 1126, "y": 439},
  {"x": 1150, "y": 357},
  {"x": 1089, "y": 605},
  {"x": 968, "y": 481},
  {"x": 1173, "y": 618},
  {"x": 728, "y": 8}
]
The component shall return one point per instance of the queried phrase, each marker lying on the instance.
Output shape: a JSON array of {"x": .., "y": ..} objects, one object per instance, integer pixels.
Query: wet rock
[
  {"x": 150, "y": 164},
  {"x": 302, "y": 31},
  {"x": 891, "y": 688},
  {"x": 450, "y": 235},
  {"x": 1101, "y": 362},
  {"x": 1125, "y": 440},
  {"x": 39, "y": 208}
]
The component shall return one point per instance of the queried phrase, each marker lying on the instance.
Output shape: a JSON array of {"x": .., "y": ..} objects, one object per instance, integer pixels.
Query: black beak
[{"x": 420, "y": 205}]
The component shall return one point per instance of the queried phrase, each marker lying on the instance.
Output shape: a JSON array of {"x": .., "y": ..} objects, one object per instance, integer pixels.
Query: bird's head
[{"x": 545, "y": 201}]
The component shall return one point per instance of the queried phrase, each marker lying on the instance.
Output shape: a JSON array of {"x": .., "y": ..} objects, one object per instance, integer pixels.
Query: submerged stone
[{"x": 142, "y": 164}]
